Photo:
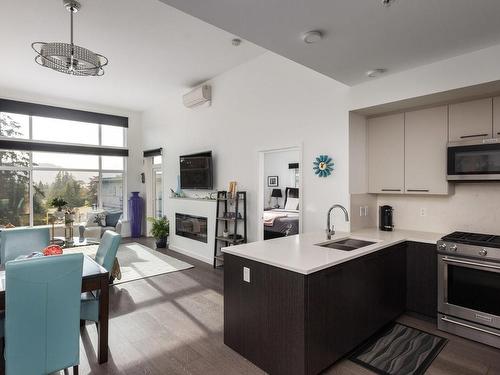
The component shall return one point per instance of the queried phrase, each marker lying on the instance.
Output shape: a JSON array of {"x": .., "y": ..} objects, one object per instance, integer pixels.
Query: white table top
[
  {"x": 301, "y": 253},
  {"x": 90, "y": 268}
]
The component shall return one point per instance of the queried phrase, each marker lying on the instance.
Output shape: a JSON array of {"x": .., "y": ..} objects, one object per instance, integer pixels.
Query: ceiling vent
[{"x": 197, "y": 96}]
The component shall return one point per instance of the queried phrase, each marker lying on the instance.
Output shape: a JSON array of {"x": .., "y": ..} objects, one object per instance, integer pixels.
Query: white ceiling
[
  {"x": 153, "y": 49},
  {"x": 359, "y": 34}
]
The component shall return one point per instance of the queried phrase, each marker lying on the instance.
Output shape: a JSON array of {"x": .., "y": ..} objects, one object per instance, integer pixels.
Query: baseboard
[{"x": 191, "y": 254}]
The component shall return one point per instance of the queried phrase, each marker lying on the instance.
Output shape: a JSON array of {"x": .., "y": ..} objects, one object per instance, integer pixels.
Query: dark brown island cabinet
[{"x": 290, "y": 323}]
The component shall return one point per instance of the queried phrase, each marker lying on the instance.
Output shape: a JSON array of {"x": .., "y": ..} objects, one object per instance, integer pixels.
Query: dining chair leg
[{"x": 75, "y": 370}]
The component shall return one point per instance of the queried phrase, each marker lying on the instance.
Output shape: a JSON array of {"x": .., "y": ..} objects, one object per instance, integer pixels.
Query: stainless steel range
[{"x": 469, "y": 286}]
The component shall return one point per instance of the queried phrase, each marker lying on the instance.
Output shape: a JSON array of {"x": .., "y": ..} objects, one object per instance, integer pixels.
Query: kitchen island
[{"x": 293, "y": 307}]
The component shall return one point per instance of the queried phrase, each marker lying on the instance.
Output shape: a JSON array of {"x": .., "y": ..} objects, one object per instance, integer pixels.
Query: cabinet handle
[
  {"x": 498, "y": 133},
  {"x": 473, "y": 136},
  {"x": 418, "y": 190},
  {"x": 447, "y": 320},
  {"x": 390, "y": 189}
]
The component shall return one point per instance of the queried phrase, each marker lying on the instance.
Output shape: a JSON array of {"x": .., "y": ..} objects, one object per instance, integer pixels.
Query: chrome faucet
[{"x": 330, "y": 229}]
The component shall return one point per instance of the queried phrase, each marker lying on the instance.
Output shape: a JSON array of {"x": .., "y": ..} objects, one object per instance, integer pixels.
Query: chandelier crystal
[{"x": 69, "y": 58}]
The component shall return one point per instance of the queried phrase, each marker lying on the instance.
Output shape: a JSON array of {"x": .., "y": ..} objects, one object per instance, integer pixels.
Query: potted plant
[
  {"x": 59, "y": 203},
  {"x": 159, "y": 230}
]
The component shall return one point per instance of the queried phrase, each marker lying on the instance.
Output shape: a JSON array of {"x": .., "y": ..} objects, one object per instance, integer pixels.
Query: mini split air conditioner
[{"x": 197, "y": 96}]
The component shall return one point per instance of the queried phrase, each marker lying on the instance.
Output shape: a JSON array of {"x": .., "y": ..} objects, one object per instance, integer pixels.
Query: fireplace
[{"x": 193, "y": 227}]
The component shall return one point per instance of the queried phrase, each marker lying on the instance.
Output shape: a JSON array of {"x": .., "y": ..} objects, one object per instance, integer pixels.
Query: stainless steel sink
[{"x": 347, "y": 244}]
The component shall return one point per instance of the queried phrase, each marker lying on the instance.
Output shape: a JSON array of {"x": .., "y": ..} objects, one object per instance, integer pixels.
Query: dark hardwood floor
[{"x": 173, "y": 324}]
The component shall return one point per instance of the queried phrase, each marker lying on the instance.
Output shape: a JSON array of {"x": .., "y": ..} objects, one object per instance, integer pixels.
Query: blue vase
[{"x": 135, "y": 206}]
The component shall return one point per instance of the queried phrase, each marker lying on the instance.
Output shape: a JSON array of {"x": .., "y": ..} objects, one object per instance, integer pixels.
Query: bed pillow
[{"x": 292, "y": 204}]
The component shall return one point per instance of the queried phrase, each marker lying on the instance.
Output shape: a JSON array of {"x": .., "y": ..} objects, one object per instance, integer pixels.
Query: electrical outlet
[
  {"x": 423, "y": 211},
  {"x": 246, "y": 274}
]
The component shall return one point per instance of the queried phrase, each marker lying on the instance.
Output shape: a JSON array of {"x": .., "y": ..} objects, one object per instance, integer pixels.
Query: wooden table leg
[{"x": 102, "y": 329}]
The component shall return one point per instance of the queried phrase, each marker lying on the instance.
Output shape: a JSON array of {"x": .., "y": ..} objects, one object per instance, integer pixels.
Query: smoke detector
[
  {"x": 312, "y": 36},
  {"x": 375, "y": 72},
  {"x": 387, "y": 3}
]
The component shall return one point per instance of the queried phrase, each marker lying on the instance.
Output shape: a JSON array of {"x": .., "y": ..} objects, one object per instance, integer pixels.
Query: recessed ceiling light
[
  {"x": 375, "y": 72},
  {"x": 387, "y": 3},
  {"x": 312, "y": 36},
  {"x": 236, "y": 42}
]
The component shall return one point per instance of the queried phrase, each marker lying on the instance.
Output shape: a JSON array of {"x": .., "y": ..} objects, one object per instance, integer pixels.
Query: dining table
[{"x": 95, "y": 278}]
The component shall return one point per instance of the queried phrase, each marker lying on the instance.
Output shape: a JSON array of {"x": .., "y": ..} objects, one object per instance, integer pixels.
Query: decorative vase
[{"x": 135, "y": 206}]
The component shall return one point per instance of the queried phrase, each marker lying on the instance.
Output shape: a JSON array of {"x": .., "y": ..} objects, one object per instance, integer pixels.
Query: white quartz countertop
[{"x": 301, "y": 253}]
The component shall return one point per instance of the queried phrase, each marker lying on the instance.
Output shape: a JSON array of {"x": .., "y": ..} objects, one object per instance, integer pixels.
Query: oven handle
[
  {"x": 445, "y": 319},
  {"x": 449, "y": 260}
]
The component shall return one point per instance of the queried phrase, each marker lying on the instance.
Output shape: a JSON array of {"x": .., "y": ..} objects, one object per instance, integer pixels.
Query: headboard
[{"x": 292, "y": 193}]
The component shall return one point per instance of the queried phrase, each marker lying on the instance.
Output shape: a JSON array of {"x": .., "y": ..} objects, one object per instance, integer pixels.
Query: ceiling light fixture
[
  {"x": 375, "y": 72},
  {"x": 69, "y": 58},
  {"x": 312, "y": 36}
]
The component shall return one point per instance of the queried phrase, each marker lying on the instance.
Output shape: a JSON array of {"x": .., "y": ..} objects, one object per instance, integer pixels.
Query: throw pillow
[{"x": 112, "y": 218}]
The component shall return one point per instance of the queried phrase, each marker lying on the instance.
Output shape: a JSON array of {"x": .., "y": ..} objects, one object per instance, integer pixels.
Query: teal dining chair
[
  {"x": 106, "y": 254},
  {"x": 22, "y": 241},
  {"x": 42, "y": 314}
]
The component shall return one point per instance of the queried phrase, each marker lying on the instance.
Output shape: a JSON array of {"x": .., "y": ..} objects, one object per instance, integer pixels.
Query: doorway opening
[{"x": 280, "y": 193}]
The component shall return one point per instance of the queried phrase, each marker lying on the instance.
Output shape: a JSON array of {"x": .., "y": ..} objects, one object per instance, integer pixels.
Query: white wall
[
  {"x": 134, "y": 132},
  {"x": 267, "y": 103},
  {"x": 276, "y": 164},
  {"x": 473, "y": 208}
]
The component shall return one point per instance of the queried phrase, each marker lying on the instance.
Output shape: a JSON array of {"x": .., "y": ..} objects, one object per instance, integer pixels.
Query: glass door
[
  {"x": 158, "y": 192},
  {"x": 474, "y": 287}
]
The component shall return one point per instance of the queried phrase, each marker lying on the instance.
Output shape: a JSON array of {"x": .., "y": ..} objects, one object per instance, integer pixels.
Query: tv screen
[{"x": 196, "y": 171}]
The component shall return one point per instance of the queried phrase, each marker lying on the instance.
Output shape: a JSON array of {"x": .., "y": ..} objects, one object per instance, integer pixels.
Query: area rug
[
  {"x": 138, "y": 261},
  {"x": 400, "y": 350}
]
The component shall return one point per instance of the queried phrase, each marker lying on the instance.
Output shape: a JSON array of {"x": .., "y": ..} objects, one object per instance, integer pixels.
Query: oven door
[
  {"x": 469, "y": 289},
  {"x": 473, "y": 161}
]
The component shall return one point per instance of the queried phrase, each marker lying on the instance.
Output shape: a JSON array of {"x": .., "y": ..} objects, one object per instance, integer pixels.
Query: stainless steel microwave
[{"x": 474, "y": 160}]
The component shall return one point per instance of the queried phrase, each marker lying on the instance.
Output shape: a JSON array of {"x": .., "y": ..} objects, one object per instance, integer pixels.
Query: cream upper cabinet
[
  {"x": 426, "y": 136},
  {"x": 386, "y": 154},
  {"x": 496, "y": 117},
  {"x": 470, "y": 120}
]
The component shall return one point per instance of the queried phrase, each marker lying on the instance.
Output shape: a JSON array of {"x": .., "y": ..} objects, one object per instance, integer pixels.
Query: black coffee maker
[{"x": 385, "y": 218}]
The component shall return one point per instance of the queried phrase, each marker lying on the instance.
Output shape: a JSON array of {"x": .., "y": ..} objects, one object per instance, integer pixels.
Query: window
[
  {"x": 14, "y": 126},
  {"x": 84, "y": 173},
  {"x": 14, "y": 197},
  {"x": 54, "y": 130}
]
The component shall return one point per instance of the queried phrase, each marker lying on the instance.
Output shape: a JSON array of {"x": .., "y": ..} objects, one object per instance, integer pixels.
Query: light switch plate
[{"x": 246, "y": 274}]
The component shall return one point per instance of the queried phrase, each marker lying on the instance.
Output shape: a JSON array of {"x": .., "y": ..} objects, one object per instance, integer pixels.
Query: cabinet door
[
  {"x": 471, "y": 120},
  {"x": 496, "y": 117},
  {"x": 426, "y": 136},
  {"x": 386, "y": 154},
  {"x": 421, "y": 279}
]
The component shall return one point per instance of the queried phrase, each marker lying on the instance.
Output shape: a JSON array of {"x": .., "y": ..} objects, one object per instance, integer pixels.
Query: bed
[{"x": 282, "y": 222}]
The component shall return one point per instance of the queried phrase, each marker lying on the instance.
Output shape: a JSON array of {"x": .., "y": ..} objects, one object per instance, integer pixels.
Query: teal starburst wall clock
[{"x": 323, "y": 166}]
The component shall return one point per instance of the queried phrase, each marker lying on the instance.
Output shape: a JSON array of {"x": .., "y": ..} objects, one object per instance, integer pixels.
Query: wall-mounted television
[{"x": 197, "y": 171}]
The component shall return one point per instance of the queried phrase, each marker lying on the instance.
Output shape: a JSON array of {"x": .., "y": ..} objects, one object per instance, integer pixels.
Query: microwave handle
[
  {"x": 473, "y": 136},
  {"x": 466, "y": 262}
]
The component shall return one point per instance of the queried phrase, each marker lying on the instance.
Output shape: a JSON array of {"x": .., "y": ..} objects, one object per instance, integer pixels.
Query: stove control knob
[
  {"x": 453, "y": 248},
  {"x": 442, "y": 247},
  {"x": 483, "y": 252}
]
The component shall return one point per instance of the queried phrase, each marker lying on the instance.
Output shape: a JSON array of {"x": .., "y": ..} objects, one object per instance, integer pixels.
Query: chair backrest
[
  {"x": 22, "y": 241},
  {"x": 42, "y": 314},
  {"x": 106, "y": 253}
]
